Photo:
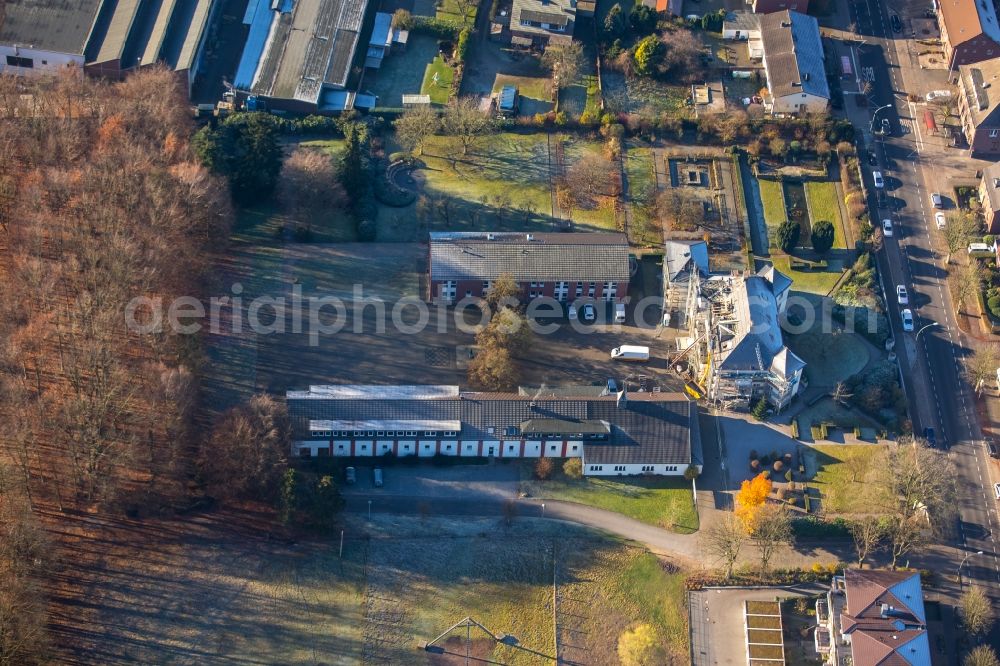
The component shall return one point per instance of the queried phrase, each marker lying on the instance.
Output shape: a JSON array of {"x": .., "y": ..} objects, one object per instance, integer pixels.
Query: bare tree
[
  {"x": 248, "y": 451},
  {"x": 982, "y": 655},
  {"x": 977, "y": 612},
  {"x": 565, "y": 62},
  {"x": 966, "y": 283},
  {"x": 906, "y": 535},
  {"x": 959, "y": 232},
  {"x": 772, "y": 529},
  {"x": 868, "y": 533},
  {"x": 981, "y": 367},
  {"x": 724, "y": 540},
  {"x": 415, "y": 126},
  {"x": 466, "y": 122},
  {"x": 309, "y": 185},
  {"x": 504, "y": 292}
]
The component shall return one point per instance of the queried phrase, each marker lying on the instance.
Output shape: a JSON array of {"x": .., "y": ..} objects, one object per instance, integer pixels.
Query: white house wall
[
  {"x": 508, "y": 448},
  {"x": 45, "y": 62},
  {"x": 790, "y": 103}
]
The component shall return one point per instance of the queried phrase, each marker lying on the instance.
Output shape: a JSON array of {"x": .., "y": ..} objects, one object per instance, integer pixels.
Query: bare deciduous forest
[{"x": 100, "y": 202}]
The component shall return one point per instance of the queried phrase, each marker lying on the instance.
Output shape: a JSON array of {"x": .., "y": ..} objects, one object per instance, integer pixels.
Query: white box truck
[{"x": 630, "y": 353}]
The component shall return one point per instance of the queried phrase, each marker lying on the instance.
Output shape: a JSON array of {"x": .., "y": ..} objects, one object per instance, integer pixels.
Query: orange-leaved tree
[{"x": 750, "y": 499}]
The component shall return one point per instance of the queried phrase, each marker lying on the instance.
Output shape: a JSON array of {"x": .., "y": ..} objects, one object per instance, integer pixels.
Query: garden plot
[
  {"x": 765, "y": 646},
  {"x": 698, "y": 197},
  {"x": 409, "y": 74}
]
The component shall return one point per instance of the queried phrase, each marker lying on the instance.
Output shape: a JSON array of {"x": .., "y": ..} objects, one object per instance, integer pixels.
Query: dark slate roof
[
  {"x": 544, "y": 17},
  {"x": 645, "y": 428},
  {"x": 779, "y": 281},
  {"x": 793, "y": 54},
  {"x": 758, "y": 334},
  {"x": 63, "y": 26},
  {"x": 679, "y": 255},
  {"x": 546, "y": 257}
]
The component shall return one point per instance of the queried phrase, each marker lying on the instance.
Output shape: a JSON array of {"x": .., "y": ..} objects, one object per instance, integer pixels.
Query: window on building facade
[{"x": 16, "y": 61}]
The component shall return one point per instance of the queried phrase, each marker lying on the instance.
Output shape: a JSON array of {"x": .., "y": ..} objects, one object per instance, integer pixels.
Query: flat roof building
[
  {"x": 299, "y": 51},
  {"x": 615, "y": 434},
  {"x": 104, "y": 37}
]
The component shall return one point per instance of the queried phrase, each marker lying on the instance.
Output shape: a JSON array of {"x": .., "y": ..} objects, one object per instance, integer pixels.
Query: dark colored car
[
  {"x": 991, "y": 449},
  {"x": 872, "y": 158},
  {"x": 897, "y": 25},
  {"x": 929, "y": 436}
]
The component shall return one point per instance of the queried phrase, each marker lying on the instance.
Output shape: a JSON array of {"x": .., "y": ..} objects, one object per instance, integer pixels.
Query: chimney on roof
[
  {"x": 622, "y": 398},
  {"x": 529, "y": 237},
  {"x": 786, "y": 24},
  {"x": 491, "y": 236},
  {"x": 996, "y": 182},
  {"x": 805, "y": 76}
]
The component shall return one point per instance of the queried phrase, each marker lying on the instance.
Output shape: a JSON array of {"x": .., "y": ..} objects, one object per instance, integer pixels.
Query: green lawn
[
  {"x": 823, "y": 205},
  {"x": 601, "y": 214},
  {"x": 774, "y": 207},
  {"x": 642, "y": 189},
  {"x": 449, "y": 10},
  {"x": 441, "y": 90},
  {"x": 812, "y": 282},
  {"x": 533, "y": 87},
  {"x": 662, "y": 501},
  {"x": 403, "y": 73},
  {"x": 831, "y": 357},
  {"x": 849, "y": 487}
]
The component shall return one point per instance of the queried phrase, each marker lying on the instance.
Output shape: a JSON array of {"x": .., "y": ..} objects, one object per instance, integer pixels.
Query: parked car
[
  {"x": 589, "y": 314},
  {"x": 571, "y": 312},
  {"x": 877, "y": 177},
  {"x": 940, "y": 220},
  {"x": 377, "y": 477},
  {"x": 936, "y": 200},
  {"x": 930, "y": 437},
  {"x": 887, "y": 228},
  {"x": 351, "y": 475},
  {"x": 907, "y": 317},
  {"x": 886, "y": 127},
  {"x": 619, "y": 313},
  {"x": 991, "y": 449},
  {"x": 938, "y": 94},
  {"x": 897, "y": 25},
  {"x": 872, "y": 158},
  {"x": 901, "y": 296},
  {"x": 630, "y": 353},
  {"x": 996, "y": 490}
]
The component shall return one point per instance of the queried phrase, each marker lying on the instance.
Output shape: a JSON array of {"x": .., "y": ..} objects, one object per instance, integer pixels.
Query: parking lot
[{"x": 467, "y": 482}]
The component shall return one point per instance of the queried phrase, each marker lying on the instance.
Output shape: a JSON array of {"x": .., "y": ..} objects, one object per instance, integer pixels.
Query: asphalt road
[{"x": 915, "y": 256}]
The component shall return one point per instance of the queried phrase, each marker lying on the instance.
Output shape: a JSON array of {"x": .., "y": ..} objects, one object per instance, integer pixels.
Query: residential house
[
  {"x": 873, "y": 618},
  {"x": 614, "y": 434},
  {"x": 969, "y": 31},
  {"x": 979, "y": 106},
  {"x": 748, "y": 359},
  {"x": 771, "y": 6},
  {"x": 989, "y": 197},
  {"x": 298, "y": 55},
  {"x": 793, "y": 62},
  {"x": 542, "y": 22},
  {"x": 681, "y": 258},
  {"x": 106, "y": 38},
  {"x": 562, "y": 266}
]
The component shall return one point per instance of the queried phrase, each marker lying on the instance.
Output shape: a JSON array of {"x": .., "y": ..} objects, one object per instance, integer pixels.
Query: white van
[
  {"x": 619, "y": 313},
  {"x": 630, "y": 353}
]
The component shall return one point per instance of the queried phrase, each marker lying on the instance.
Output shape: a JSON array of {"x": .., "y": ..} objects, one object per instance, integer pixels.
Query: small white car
[
  {"x": 907, "y": 317},
  {"x": 588, "y": 312},
  {"x": 996, "y": 490},
  {"x": 940, "y": 220},
  {"x": 887, "y": 228},
  {"x": 936, "y": 200},
  {"x": 572, "y": 313},
  {"x": 901, "y": 296},
  {"x": 879, "y": 181}
]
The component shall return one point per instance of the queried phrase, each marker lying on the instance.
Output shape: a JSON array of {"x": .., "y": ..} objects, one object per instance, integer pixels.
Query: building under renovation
[{"x": 733, "y": 353}]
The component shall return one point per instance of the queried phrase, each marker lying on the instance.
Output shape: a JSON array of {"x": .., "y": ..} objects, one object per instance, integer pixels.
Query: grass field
[
  {"x": 532, "y": 87},
  {"x": 641, "y": 190},
  {"x": 843, "y": 491},
  {"x": 812, "y": 282},
  {"x": 207, "y": 591},
  {"x": 830, "y": 357},
  {"x": 440, "y": 90},
  {"x": 661, "y": 501},
  {"x": 823, "y": 205},
  {"x": 449, "y": 10},
  {"x": 774, "y": 207},
  {"x": 602, "y": 214},
  {"x": 404, "y": 73}
]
